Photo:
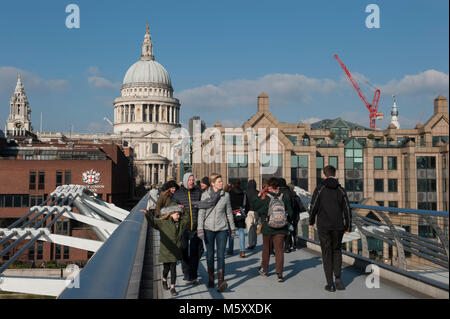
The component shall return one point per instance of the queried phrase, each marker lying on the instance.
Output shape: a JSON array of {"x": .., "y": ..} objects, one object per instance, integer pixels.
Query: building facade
[{"x": 396, "y": 167}]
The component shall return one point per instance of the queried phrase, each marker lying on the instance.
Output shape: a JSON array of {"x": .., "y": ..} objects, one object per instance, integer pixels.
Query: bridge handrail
[
  {"x": 398, "y": 210},
  {"x": 114, "y": 272}
]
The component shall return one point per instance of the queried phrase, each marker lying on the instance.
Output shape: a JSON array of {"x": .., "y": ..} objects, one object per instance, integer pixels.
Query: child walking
[{"x": 171, "y": 228}]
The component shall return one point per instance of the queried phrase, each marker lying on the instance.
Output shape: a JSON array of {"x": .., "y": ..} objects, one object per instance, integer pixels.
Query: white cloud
[
  {"x": 100, "y": 82},
  {"x": 97, "y": 81},
  {"x": 430, "y": 82},
  {"x": 30, "y": 80},
  {"x": 93, "y": 70},
  {"x": 310, "y": 120},
  {"x": 282, "y": 88}
]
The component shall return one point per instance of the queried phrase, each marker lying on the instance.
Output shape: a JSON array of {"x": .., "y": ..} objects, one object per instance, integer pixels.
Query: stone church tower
[{"x": 19, "y": 121}]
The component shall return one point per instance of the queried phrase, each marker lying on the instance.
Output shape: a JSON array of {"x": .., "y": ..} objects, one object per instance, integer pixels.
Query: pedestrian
[
  {"x": 153, "y": 195},
  {"x": 334, "y": 217},
  {"x": 167, "y": 191},
  {"x": 251, "y": 220},
  {"x": 297, "y": 208},
  {"x": 273, "y": 207},
  {"x": 191, "y": 245},
  {"x": 215, "y": 220},
  {"x": 204, "y": 183},
  {"x": 171, "y": 229},
  {"x": 239, "y": 206}
]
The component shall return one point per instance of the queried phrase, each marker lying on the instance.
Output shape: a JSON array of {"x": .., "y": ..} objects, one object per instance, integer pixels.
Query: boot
[
  {"x": 210, "y": 277},
  {"x": 221, "y": 284}
]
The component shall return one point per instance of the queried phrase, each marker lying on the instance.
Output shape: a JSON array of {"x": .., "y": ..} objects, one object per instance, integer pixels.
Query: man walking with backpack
[
  {"x": 273, "y": 208},
  {"x": 330, "y": 204}
]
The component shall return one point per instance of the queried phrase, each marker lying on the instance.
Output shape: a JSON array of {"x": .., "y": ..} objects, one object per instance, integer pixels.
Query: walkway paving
[{"x": 303, "y": 274}]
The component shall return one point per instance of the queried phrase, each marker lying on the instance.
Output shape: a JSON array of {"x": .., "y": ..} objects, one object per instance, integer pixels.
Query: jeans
[
  {"x": 330, "y": 244},
  {"x": 191, "y": 247},
  {"x": 241, "y": 234},
  {"x": 220, "y": 239},
  {"x": 172, "y": 267}
]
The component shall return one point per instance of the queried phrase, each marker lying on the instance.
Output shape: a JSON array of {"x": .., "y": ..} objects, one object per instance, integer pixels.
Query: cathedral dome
[{"x": 147, "y": 72}]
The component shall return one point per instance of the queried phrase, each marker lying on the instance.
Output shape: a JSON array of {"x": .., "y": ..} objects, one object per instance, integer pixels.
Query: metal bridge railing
[
  {"x": 66, "y": 202},
  {"x": 410, "y": 241},
  {"x": 114, "y": 272}
]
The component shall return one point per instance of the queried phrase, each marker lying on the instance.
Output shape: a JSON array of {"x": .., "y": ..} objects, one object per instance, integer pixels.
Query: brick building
[{"x": 31, "y": 170}]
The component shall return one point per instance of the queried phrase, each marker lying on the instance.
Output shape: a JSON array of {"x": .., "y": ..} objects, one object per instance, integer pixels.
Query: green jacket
[
  {"x": 262, "y": 207},
  {"x": 170, "y": 236}
]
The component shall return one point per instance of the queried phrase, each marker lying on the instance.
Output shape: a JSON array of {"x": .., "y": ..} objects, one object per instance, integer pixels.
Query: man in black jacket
[
  {"x": 191, "y": 245},
  {"x": 330, "y": 204}
]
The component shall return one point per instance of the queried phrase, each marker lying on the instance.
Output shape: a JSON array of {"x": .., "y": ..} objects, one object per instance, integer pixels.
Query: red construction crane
[{"x": 373, "y": 108}]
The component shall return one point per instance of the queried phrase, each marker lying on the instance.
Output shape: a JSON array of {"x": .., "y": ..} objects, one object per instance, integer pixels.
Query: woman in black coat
[{"x": 239, "y": 206}]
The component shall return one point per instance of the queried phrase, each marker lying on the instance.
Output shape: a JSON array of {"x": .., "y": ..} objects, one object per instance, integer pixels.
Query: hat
[
  {"x": 169, "y": 210},
  {"x": 205, "y": 180},
  {"x": 169, "y": 185}
]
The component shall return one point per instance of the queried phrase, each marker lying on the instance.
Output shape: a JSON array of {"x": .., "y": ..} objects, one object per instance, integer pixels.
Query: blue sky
[{"x": 222, "y": 54}]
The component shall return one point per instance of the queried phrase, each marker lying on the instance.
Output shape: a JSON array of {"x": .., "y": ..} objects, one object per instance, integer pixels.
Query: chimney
[
  {"x": 263, "y": 102},
  {"x": 440, "y": 104}
]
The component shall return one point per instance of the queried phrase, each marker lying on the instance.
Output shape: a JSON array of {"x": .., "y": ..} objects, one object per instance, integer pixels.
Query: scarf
[{"x": 209, "y": 202}]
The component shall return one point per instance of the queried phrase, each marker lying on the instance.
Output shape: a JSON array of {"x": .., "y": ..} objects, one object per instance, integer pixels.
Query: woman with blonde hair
[{"x": 215, "y": 219}]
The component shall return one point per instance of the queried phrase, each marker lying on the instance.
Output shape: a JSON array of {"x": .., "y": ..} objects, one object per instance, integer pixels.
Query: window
[
  {"x": 32, "y": 180},
  {"x": 393, "y": 204},
  {"x": 319, "y": 167},
  {"x": 59, "y": 178},
  {"x": 67, "y": 177},
  {"x": 378, "y": 162},
  {"x": 426, "y": 182},
  {"x": 17, "y": 200},
  {"x": 271, "y": 166},
  {"x": 292, "y": 138},
  {"x": 379, "y": 185},
  {"x": 8, "y": 200},
  {"x": 57, "y": 251},
  {"x": 392, "y": 163},
  {"x": 238, "y": 169},
  {"x": 31, "y": 252},
  {"x": 40, "y": 250},
  {"x": 66, "y": 252},
  {"x": 299, "y": 171},
  {"x": 426, "y": 162},
  {"x": 392, "y": 185},
  {"x": 155, "y": 148},
  {"x": 41, "y": 180},
  {"x": 333, "y": 161},
  {"x": 381, "y": 203}
]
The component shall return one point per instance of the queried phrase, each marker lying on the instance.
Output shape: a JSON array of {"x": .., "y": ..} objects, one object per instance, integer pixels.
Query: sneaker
[
  {"x": 339, "y": 284},
  {"x": 330, "y": 288},
  {"x": 280, "y": 278},
  {"x": 164, "y": 284},
  {"x": 262, "y": 272},
  {"x": 173, "y": 292}
]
